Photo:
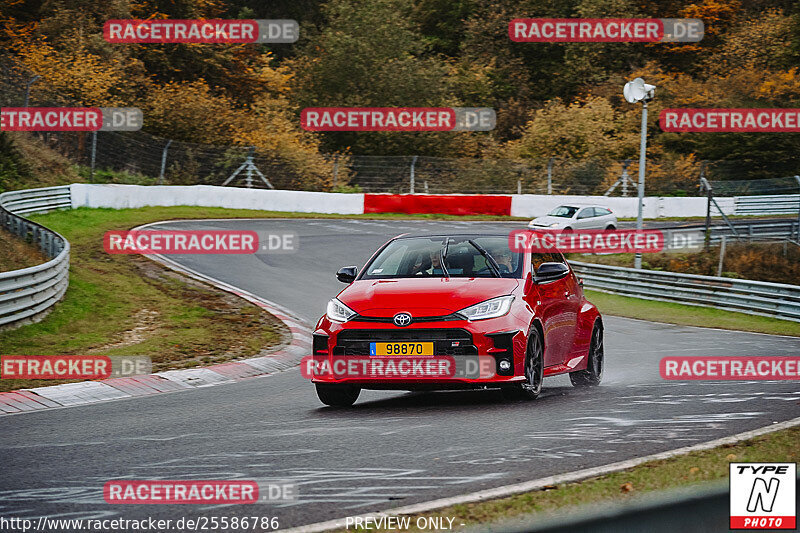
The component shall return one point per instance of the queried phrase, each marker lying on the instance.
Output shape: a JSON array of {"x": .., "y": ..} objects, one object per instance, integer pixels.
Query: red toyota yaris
[{"x": 456, "y": 296}]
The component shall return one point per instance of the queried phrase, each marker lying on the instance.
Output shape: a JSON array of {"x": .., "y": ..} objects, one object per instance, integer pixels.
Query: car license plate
[{"x": 401, "y": 348}]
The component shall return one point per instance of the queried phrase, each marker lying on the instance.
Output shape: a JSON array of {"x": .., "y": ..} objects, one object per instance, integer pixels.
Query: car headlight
[
  {"x": 338, "y": 312},
  {"x": 554, "y": 225},
  {"x": 489, "y": 309}
]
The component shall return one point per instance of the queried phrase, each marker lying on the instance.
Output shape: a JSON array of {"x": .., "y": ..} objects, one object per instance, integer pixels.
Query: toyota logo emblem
[{"x": 402, "y": 319}]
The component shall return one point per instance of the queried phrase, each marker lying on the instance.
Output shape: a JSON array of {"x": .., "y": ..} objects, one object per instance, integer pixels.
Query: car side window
[
  {"x": 601, "y": 211},
  {"x": 586, "y": 213}
]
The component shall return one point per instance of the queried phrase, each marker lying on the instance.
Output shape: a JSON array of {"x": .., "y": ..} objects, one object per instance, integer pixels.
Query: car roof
[{"x": 582, "y": 205}]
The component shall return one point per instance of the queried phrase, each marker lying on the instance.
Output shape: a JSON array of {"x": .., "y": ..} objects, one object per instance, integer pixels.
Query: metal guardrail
[
  {"x": 771, "y": 230},
  {"x": 758, "y": 231},
  {"x": 777, "y": 300},
  {"x": 26, "y": 294},
  {"x": 783, "y": 204}
]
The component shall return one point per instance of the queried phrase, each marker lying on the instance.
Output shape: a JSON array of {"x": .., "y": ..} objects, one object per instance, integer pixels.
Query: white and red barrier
[{"x": 518, "y": 205}]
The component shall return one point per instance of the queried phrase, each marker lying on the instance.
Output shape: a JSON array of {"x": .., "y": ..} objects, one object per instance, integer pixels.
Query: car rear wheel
[
  {"x": 610, "y": 227},
  {"x": 594, "y": 368},
  {"x": 534, "y": 371},
  {"x": 337, "y": 395}
]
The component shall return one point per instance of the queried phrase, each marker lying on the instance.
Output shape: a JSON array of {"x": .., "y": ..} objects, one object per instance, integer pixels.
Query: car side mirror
[
  {"x": 551, "y": 272},
  {"x": 347, "y": 274}
]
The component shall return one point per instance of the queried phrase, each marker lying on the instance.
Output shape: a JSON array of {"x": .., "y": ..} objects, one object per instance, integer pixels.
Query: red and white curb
[{"x": 87, "y": 392}]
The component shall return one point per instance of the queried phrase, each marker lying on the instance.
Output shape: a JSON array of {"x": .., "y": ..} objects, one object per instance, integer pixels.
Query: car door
[
  {"x": 586, "y": 219},
  {"x": 553, "y": 304},
  {"x": 573, "y": 298}
]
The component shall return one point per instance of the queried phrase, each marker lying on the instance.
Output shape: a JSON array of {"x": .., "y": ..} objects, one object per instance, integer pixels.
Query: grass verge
[
  {"x": 689, "y": 315},
  {"x": 695, "y": 468},
  {"x": 129, "y": 305}
]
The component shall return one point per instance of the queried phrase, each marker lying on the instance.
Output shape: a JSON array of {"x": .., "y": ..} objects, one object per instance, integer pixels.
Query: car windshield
[
  {"x": 563, "y": 211},
  {"x": 418, "y": 257}
]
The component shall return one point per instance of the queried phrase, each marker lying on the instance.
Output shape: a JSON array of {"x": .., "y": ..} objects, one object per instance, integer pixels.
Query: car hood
[
  {"x": 422, "y": 297},
  {"x": 547, "y": 220}
]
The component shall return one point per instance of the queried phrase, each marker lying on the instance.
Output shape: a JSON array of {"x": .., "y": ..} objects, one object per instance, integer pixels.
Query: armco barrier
[
  {"x": 27, "y": 294},
  {"x": 785, "y": 204},
  {"x": 753, "y": 297}
]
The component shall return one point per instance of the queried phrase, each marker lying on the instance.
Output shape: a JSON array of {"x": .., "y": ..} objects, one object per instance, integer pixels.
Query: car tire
[
  {"x": 566, "y": 230},
  {"x": 337, "y": 395},
  {"x": 593, "y": 374},
  {"x": 611, "y": 228},
  {"x": 534, "y": 371}
]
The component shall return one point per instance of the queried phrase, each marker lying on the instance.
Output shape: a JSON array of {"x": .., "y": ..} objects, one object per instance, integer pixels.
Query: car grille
[{"x": 450, "y": 341}]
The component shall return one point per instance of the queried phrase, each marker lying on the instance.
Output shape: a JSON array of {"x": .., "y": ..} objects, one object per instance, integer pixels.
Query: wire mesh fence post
[
  {"x": 721, "y": 256},
  {"x": 798, "y": 207},
  {"x": 625, "y": 178},
  {"x": 335, "y": 169},
  {"x": 550, "y": 176},
  {"x": 519, "y": 186},
  {"x": 709, "y": 194},
  {"x": 411, "y": 179},
  {"x": 94, "y": 154},
  {"x": 163, "y": 162}
]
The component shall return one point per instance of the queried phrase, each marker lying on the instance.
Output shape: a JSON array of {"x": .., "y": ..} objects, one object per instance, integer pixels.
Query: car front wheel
[
  {"x": 337, "y": 395},
  {"x": 594, "y": 367},
  {"x": 534, "y": 371}
]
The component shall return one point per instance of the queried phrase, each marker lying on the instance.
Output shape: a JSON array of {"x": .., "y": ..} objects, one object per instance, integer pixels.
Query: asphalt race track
[{"x": 391, "y": 449}]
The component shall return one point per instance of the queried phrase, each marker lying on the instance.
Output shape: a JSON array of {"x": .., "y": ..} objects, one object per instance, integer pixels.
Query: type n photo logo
[{"x": 763, "y": 495}]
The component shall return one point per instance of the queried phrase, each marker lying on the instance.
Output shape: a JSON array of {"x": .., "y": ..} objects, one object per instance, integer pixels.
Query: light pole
[
  {"x": 638, "y": 91},
  {"x": 28, "y": 88}
]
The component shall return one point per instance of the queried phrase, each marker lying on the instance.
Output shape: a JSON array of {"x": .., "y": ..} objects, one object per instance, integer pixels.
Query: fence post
[
  {"x": 163, "y": 162},
  {"x": 425, "y": 184},
  {"x": 519, "y": 186},
  {"x": 721, "y": 256},
  {"x": 798, "y": 208},
  {"x": 550, "y": 176},
  {"x": 413, "y": 162},
  {"x": 94, "y": 153},
  {"x": 335, "y": 169},
  {"x": 625, "y": 177},
  {"x": 708, "y": 209}
]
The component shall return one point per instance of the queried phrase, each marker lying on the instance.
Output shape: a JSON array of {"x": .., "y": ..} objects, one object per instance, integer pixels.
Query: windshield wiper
[
  {"x": 443, "y": 256},
  {"x": 489, "y": 259}
]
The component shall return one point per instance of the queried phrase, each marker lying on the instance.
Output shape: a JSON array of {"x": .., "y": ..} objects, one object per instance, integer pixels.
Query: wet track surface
[{"x": 391, "y": 448}]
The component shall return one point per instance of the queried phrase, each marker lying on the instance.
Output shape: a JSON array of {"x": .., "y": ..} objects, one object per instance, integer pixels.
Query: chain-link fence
[{"x": 786, "y": 185}]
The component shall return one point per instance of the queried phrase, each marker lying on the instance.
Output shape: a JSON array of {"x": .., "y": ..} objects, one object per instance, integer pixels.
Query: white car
[{"x": 576, "y": 217}]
